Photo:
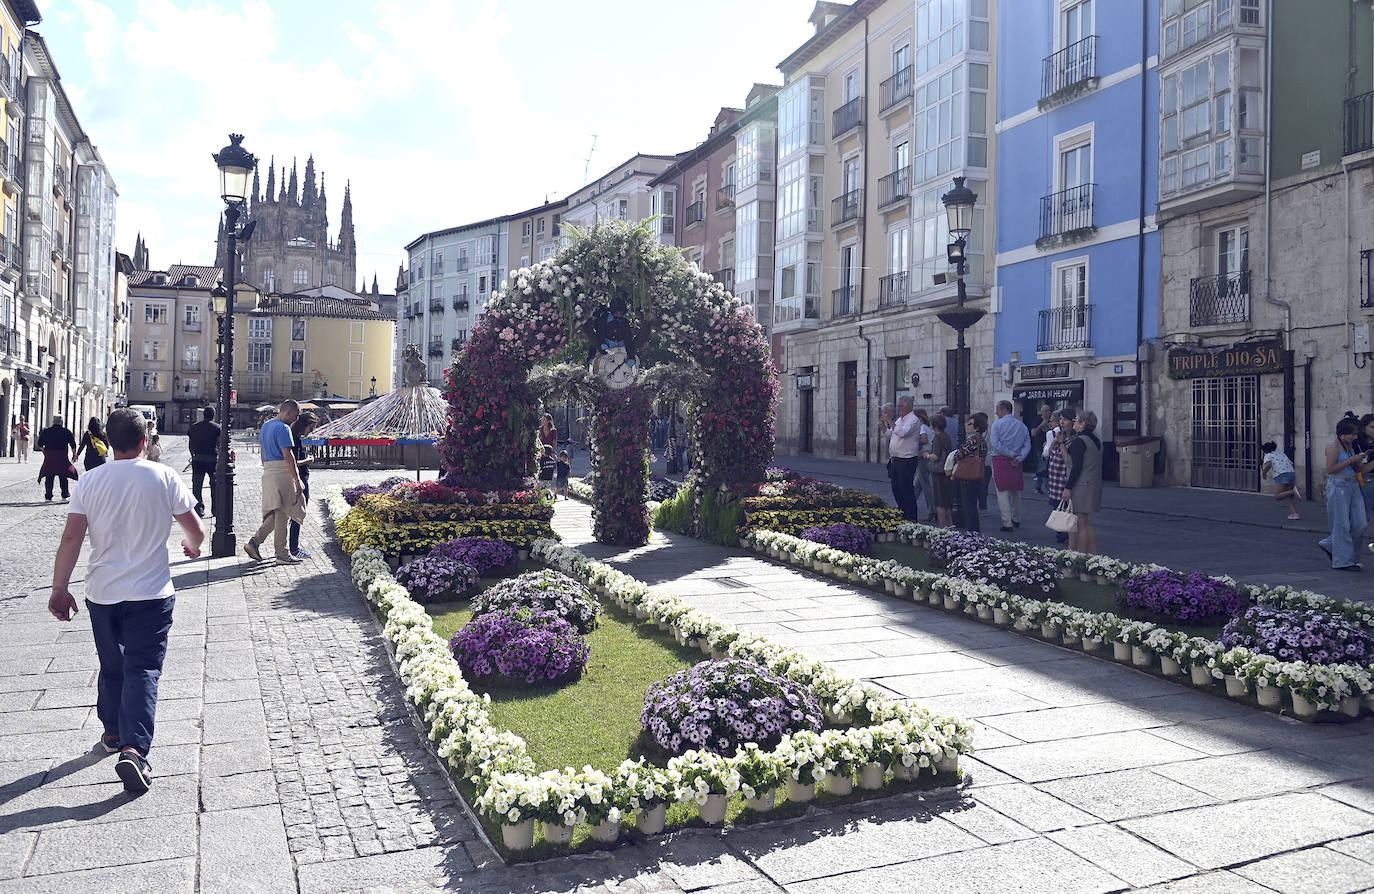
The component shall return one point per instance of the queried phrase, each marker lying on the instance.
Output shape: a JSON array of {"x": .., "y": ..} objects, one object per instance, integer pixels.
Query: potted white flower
[{"x": 760, "y": 774}]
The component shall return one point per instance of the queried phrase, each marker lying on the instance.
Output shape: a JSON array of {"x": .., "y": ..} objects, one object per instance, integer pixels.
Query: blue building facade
[{"x": 1078, "y": 253}]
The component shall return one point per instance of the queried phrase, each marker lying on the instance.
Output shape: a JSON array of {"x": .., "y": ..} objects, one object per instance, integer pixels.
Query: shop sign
[
  {"x": 1241, "y": 359},
  {"x": 805, "y": 382},
  {"x": 1062, "y": 392},
  {"x": 1035, "y": 372}
]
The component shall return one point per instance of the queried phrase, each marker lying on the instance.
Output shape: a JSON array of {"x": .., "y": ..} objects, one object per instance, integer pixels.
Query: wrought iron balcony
[
  {"x": 1223, "y": 298},
  {"x": 1069, "y": 72},
  {"x": 1067, "y": 214},
  {"x": 847, "y": 207},
  {"x": 1066, "y": 328},
  {"x": 894, "y": 187},
  {"x": 895, "y": 89},
  {"x": 726, "y": 278},
  {"x": 190, "y": 325},
  {"x": 436, "y": 347},
  {"x": 843, "y": 302},
  {"x": 695, "y": 212},
  {"x": 849, "y": 116},
  {"x": 436, "y": 305},
  {"x": 894, "y": 289},
  {"x": 461, "y": 265},
  {"x": 1359, "y": 123},
  {"x": 725, "y": 197},
  {"x": 59, "y": 179},
  {"x": 460, "y": 301}
]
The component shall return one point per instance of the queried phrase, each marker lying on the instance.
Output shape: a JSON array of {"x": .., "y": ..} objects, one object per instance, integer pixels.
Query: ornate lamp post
[
  {"x": 236, "y": 166},
  {"x": 373, "y": 391},
  {"x": 959, "y": 203}
]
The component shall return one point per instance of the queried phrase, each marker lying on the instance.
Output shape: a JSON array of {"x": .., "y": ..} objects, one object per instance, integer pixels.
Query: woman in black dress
[{"x": 94, "y": 445}]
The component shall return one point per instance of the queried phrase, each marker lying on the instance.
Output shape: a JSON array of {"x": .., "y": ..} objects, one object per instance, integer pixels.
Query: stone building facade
[{"x": 696, "y": 197}]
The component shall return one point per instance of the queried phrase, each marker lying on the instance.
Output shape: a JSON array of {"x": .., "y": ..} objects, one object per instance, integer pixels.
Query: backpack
[{"x": 99, "y": 446}]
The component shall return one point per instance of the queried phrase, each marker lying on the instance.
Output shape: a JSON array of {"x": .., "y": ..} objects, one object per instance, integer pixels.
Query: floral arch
[{"x": 716, "y": 356}]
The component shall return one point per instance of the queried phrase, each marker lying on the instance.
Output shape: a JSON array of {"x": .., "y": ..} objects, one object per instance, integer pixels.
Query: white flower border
[
  {"x": 903, "y": 738},
  {"x": 1346, "y": 688}
]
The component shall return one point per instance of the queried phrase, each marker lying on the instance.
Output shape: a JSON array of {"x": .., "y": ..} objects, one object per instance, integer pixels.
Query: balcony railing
[
  {"x": 10, "y": 341},
  {"x": 895, "y": 89},
  {"x": 436, "y": 305},
  {"x": 436, "y": 347},
  {"x": 894, "y": 289},
  {"x": 1067, "y": 213},
  {"x": 190, "y": 325},
  {"x": 1070, "y": 70},
  {"x": 1223, "y": 298},
  {"x": 894, "y": 187},
  {"x": 59, "y": 179},
  {"x": 460, "y": 301},
  {"x": 842, "y": 302},
  {"x": 847, "y": 207},
  {"x": 696, "y": 212},
  {"x": 461, "y": 265},
  {"x": 1066, "y": 328},
  {"x": 188, "y": 365},
  {"x": 726, "y": 278},
  {"x": 1359, "y": 123},
  {"x": 725, "y": 197},
  {"x": 849, "y": 116}
]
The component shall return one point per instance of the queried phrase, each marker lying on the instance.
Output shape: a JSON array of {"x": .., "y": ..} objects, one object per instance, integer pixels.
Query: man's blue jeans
[{"x": 131, "y": 641}]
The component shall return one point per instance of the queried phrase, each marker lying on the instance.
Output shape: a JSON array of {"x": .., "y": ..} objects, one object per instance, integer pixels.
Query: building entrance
[
  {"x": 849, "y": 417},
  {"x": 1226, "y": 433}
]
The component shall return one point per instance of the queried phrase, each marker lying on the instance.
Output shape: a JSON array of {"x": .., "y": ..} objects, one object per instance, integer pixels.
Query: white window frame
[
  {"x": 260, "y": 328},
  {"x": 1062, "y": 11},
  {"x": 1069, "y": 141},
  {"x": 192, "y": 314},
  {"x": 851, "y": 85},
  {"x": 355, "y": 333},
  {"x": 152, "y": 310},
  {"x": 1056, "y": 278},
  {"x": 355, "y": 362}
]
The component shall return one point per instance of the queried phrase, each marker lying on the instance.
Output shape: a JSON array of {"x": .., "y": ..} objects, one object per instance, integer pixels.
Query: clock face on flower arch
[{"x": 615, "y": 368}]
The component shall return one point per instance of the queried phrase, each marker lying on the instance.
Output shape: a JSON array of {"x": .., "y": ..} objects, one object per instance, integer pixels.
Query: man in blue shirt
[
  {"x": 1009, "y": 444},
  {"x": 282, "y": 491}
]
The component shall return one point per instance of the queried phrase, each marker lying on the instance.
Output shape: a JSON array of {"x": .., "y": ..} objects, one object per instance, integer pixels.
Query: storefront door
[
  {"x": 849, "y": 417},
  {"x": 1226, "y": 433}
]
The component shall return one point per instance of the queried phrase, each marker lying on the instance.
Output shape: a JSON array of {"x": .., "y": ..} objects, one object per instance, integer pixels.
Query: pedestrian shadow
[
  {"x": 43, "y": 777},
  {"x": 37, "y": 817}
]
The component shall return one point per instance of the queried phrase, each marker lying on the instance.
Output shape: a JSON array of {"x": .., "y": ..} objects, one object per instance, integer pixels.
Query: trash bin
[{"x": 1137, "y": 461}]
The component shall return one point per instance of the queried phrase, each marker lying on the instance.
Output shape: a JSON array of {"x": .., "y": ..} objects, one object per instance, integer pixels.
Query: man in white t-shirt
[{"x": 126, "y": 507}]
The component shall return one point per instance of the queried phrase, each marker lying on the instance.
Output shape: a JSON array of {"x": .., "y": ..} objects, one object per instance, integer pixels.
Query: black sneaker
[
  {"x": 110, "y": 742},
  {"x": 133, "y": 769}
]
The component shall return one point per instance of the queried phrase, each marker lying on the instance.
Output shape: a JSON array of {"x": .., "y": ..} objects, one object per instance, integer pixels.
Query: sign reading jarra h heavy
[{"x": 1241, "y": 359}]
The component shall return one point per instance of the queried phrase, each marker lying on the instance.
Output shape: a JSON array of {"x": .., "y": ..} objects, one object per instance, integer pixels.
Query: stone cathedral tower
[{"x": 291, "y": 248}]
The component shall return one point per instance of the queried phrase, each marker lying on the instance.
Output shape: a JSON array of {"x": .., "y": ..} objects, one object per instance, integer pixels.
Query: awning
[{"x": 32, "y": 378}]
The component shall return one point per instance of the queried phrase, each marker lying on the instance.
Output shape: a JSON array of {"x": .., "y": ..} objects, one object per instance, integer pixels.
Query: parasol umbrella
[
  {"x": 266, "y": 408},
  {"x": 405, "y": 416}
]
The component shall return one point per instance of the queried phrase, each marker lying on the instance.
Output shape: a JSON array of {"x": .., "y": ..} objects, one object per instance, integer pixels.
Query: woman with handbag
[
  {"x": 942, "y": 488},
  {"x": 1084, "y": 484},
  {"x": 968, "y": 470},
  {"x": 1057, "y": 463},
  {"x": 93, "y": 444}
]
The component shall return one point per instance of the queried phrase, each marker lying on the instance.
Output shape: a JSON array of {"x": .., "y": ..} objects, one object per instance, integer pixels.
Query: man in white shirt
[
  {"x": 904, "y": 448},
  {"x": 126, "y": 507}
]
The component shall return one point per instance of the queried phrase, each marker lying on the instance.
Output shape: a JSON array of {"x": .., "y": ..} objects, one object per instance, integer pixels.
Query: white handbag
[
  {"x": 1062, "y": 518},
  {"x": 950, "y": 463}
]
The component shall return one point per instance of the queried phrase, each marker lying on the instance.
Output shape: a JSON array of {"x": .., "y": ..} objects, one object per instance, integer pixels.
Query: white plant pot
[
  {"x": 948, "y": 766},
  {"x": 1141, "y": 656},
  {"x": 1103, "y": 580},
  {"x": 1092, "y": 644},
  {"x": 1369, "y": 702},
  {"x": 838, "y": 717},
  {"x": 1085, "y": 577},
  {"x": 1023, "y": 624},
  {"x": 606, "y": 831},
  {"x": 934, "y": 598},
  {"x": 651, "y": 821},
  {"x": 705, "y": 647},
  {"x": 871, "y": 776},
  {"x": 1201, "y": 675},
  {"x": 800, "y": 792},
  {"x": 1000, "y": 617},
  {"x": 984, "y": 612},
  {"x": 1048, "y": 631},
  {"x": 557, "y": 833},
  {"x": 713, "y": 811},
  {"x": 1269, "y": 696},
  {"x": 1070, "y": 638},
  {"x": 951, "y": 603},
  {"x": 1302, "y": 708},
  {"x": 1350, "y": 706},
  {"x": 1121, "y": 651},
  {"x": 971, "y": 609},
  {"x": 890, "y": 585},
  {"x": 1236, "y": 687},
  {"x": 518, "y": 837},
  {"x": 827, "y": 568},
  {"x": 1067, "y": 574},
  {"x": 907, "y": 593},
  {"x": 764, "y": 802},
  {"x": 1169, "y": 666},
  {"x": 903, "y": 772},
  {"x": 837, "y": 785}
]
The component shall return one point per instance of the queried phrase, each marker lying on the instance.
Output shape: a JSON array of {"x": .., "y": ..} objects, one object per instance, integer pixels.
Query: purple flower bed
[
  {"x": 436, "y": 578},
  {"x": 719, "y": 705},
  {"x": 662, "y": 489},
  {"x": 519, "y": 644},
  {"x": 543, "y": 591},
  {"x": 1300, "y": 635},
  {"x": 850, "y": 538},
  {"x": 1192, "y": 598},
  {"x": 352, "y": 494},
  {"x": 1010, "y": 566},
  {"x": 955, "y": 543},
  {"x": 482, "y": 553}
]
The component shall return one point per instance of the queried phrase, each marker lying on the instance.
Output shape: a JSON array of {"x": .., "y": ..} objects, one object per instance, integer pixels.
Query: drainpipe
[
  {"x": 863, "y": 271},
  {"x": 1142, "y": 387},
  {"x": 1289, "y": 436},
  {"x": 868, "y": 395}
]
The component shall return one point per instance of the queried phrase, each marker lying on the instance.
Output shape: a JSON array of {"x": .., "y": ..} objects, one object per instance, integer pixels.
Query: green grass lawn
[{"x": 1075, "y": 592}]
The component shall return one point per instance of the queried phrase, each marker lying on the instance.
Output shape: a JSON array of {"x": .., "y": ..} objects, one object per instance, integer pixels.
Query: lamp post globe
[
  {"x": 959, "y": 203},
  {"x": 236, "y": 165}
]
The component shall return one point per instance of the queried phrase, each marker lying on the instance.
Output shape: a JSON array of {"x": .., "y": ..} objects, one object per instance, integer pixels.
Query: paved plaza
[{"x": 287, "y": 759}]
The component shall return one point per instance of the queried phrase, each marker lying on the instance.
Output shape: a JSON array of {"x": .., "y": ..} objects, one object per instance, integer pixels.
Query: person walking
[
  {"x": 300, "y": 429},
  {"x": 1084, "y": 484},
  {"x": 1057, "y": 468},
  {"x": 126, "y": 507},
  {"x": 1010, "y": 444},
  {"x": 203, "y": 441},
  {"x": 923, "y": 485},
  {"x": 1345, "y": 512},
  {"x": 1365, "y": 443},
  {"x": 19, "y": 432},
  {"x": 1277, "y": 463},
  {"x": 903, "y": 447},
  {"x": 93, "y": 444},
  {"x": 281, "y": 485},
  {"x": 548, "y": 434},
  {"x": 1041, "y": 437},
  {"x": 58, "y": 445},
  {"x": 969, "y": 461},
  {"x": 941, "y": 487}
]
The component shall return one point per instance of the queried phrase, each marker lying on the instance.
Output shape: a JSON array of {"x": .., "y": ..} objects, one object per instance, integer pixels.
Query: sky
[{"x": 438, "y": 113}]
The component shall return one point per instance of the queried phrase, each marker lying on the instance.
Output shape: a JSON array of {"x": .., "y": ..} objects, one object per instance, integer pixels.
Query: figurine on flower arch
[{"x": 611, "y": 344}]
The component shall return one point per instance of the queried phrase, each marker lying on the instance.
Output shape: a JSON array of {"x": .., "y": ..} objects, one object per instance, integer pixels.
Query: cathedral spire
[
  {"x": 346, "y": 220},
  {"x": 256, "y": 184},
  {"x": 271, "y": 194},
  {"x": 308, "y": 188},
  {"x": 220, "y": 247},
  {"x": 374, "y": 283},
  {"x": 324, "y": 210},
  {"x": 293, "y": 191},
  {"x": 281, "y": 197}
]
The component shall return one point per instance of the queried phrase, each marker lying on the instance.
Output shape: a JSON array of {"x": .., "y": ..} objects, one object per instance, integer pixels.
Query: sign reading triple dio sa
[{"x": 1242, "y": 359}]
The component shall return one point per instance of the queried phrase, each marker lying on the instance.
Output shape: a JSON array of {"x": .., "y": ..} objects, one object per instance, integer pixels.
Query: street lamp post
[
  {"x": 236, "y": 166},
  {"x": 373, "y": 392},
  {"x": 959, "y": 203}
]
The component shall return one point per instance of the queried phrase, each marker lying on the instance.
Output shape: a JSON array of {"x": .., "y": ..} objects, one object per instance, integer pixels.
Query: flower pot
[
  {"x": 950, "y": 602},
  {"x": 705, "y": 647},
  {"x": 713, "y": 811},
  {"x": 1236, "y": 687},
  {"x": 1085, "y": 577},
  {"x": 1369, "y": 702},
  {"x": 764, "y": 802},
  {"x": 890, "y": 585},
  {"x": 836, "y": 784},
  {"x": 1350, "y": 706},
  {"x": 557, "y": 833},
  {"x": 906, "y": 592},
  {"x": 1022, "y": 624},
  {"x": 1067, "y": 574},
  {"x": 1169, "y": 666},
  {"x": 1103, "y": 581},
  {"x": 1269, "y": 696},
  {"x": 985, "y": 613},
  {"x": 1121, "y": 651},
  {"x": 606, "y": 831},
  {"x": 1092, "y": 644},
  {"x": 1048, "y": 631},
  {"x": 1070, "y": 638},
  {"x": 971, "y": 609},
  {"x": 871, "y": 776},
  {"x": 650, "y": 820},
  {"x": 1201, "y": 675},
  {"x": 518, "y": 837},
  {"x": 1141, "y": 656},
  {"x": 838, "y": 717},
  {"x": 1000, "y": 617},
  {"x": 800, "y": 792},
  {"x": 947, "y": 767},
  {"x": 903, "y": 772},
  {"x": 1303, "y": 709},
  {"x": 934, "y": 598}
]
